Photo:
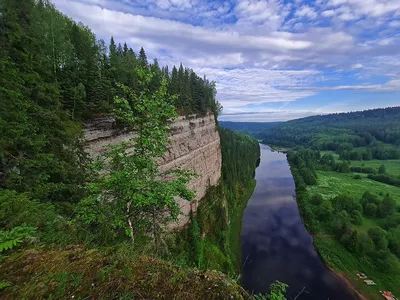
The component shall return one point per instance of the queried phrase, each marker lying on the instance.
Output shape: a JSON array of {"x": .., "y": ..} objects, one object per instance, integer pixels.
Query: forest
[
  {"x": 55, "y": 74},
  {"x": 250, "y": 128},
  {"x": 346, "y": 169},
  {"x": 96, "y": 227}
]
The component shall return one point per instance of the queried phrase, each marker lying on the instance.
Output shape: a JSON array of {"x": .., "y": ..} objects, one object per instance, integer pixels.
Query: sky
[{"x": 272, "y": 60}]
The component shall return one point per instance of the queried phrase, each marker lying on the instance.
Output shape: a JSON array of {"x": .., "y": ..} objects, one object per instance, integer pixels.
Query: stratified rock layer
[{"x": 195, "y": 146}]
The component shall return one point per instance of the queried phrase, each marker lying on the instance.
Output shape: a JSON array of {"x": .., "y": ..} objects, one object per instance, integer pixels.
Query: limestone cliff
[{"x": 195, "y": 146}]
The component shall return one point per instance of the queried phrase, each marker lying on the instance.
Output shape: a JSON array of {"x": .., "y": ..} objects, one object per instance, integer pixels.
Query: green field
[
  {"x": 331, "y": 184},
  {"x": 338, "y": 258},
  {"x": 392, "y": 166}
]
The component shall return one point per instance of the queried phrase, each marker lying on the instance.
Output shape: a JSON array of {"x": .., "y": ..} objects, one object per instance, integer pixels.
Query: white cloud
[
  {"x": 328, "y": 13},
  {"x": 258, "y": 51},
  {"x": 268, "y": 116},
  {"x": 394, "y": 24},
  {"x": 369, "y": 8},
  {"x": 306, "y": 11}
]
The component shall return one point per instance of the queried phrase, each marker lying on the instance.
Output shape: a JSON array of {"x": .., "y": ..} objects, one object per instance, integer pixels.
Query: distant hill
[
  {"x": 328, "y": 132},
  {"x": 250, "y": 128}
]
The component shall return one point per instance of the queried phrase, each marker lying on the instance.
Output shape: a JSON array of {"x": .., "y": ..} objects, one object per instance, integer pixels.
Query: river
[{"x": 275, "y": 243}]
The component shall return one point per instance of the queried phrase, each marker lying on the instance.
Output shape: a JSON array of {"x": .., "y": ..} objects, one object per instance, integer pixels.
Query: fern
[
  {"x": 4, "y": 284},
  {"x": 10, "y": 239}
]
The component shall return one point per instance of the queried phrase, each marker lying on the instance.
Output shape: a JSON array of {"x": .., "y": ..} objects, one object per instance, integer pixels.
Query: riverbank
[
  {"x": 348, "y": 284},
  {"x": 274, "y": 238},
  {"x": 340, "y": 275},
  {"x": 341, "y": 244}
]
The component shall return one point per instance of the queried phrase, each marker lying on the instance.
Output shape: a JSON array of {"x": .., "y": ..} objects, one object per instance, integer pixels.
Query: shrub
[
  {"x": 317, "y": 199},
  {"x": 378, "y": 235},
  {"x": 356, "y": 217},
  {"x": 370, "y": 210}
]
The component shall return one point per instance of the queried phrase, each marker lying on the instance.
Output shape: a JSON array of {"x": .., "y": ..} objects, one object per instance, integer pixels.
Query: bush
[
  {"x": 317, "y": 199},
  {"x": 356, "y": 217},
  {"x": 378, "y": 235},
  {"x": 365, "y": 244},
  {"x": 324, "y": 211},
  {"x": 387, "y": 207},
  {"x": 17, "y": 209},
  {"x": 392, "y": 221},
  {"x": 370, "y": 210},
  {"x": 394, "y": 241},
  {"x": 386, "y": 261}
]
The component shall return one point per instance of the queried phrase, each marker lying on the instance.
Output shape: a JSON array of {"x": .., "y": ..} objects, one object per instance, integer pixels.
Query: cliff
[{"x": 195, "y": 145}]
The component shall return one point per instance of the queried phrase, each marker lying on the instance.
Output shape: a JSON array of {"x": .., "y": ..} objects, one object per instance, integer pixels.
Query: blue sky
[{"x": 271, "y": 59}]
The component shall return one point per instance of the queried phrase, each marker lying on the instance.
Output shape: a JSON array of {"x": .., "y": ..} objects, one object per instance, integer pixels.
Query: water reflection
[{"x": 275, "y": 243}]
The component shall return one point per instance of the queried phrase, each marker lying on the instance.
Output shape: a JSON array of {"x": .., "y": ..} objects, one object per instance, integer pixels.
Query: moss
[{"x": 98, "y": 274}]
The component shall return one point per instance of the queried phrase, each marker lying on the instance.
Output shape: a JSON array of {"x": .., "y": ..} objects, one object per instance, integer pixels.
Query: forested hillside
[
  {"x": 72, "y": 226},
  {"x": 54, "y": 74},
  {"x": 347, "y": 173},
  {"x": 330, "y": 132},
  {"x": 250, "y": 128}
]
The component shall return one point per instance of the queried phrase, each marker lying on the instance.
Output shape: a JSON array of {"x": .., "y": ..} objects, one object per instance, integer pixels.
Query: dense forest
[
  {"x": 347, "y": 173},
  {"x": 250, "y": 128},
  {"x": 55, "y": 74},
  {"x": 343, "y": 132},
  {"x": 97, "y": 227}
]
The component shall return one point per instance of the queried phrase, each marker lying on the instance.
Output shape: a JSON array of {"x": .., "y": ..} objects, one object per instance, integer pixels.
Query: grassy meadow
[
  {"x": 331, "y": 184},
  {"x": 392, "y": 166}
]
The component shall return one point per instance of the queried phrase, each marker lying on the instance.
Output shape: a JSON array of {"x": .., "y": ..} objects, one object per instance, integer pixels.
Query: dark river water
[{"x": 275, "y": 243}]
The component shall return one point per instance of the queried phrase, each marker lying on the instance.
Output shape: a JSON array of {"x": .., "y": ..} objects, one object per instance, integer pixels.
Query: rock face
[{"x": 195, "y": 146}]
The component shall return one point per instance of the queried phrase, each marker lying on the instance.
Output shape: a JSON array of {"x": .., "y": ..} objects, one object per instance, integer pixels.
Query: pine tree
[{"x": 142, "y": 58}]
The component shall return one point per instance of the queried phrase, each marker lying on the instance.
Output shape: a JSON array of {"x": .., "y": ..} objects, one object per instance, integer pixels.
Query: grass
[
  {"x": 331, "y": 184},
  {"x": 338, "y": 258},
  {"x": 392, "y": 166},
  {"x": 235, "y": 227},
  {"x": 81, "y": 274}
]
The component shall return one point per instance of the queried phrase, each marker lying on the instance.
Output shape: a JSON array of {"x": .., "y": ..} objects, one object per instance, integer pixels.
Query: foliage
[
  {"x": 131, "y": 194},
  {"x": 378, "y": 235},
  {"x": 341, "y": 132},
  {"x": 394, "y": 241},
  {"x": 14, "y": 237},
  {"x": 386, "y": 178},
  {"x": 41, "y": 151},
  {"x": 277, "y": 292},
  {"x": 348, "y": 209},
  {"x": 4, "y": 284},
  {"x": 101, "y": 273},
  {"x": 219, "y": 214},
  {"x": 56, "y": 74}
]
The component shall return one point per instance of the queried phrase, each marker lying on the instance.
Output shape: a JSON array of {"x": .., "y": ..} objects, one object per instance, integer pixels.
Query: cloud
[
  {"x": 306, "y": 11},
  {"x": 271, "y": 116},
  {"x": 260, "y": 51},
  {"x": 328, "y": 13},
  {"x": 240, "y": 87},
  {"x": 368, "y": 8}
]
